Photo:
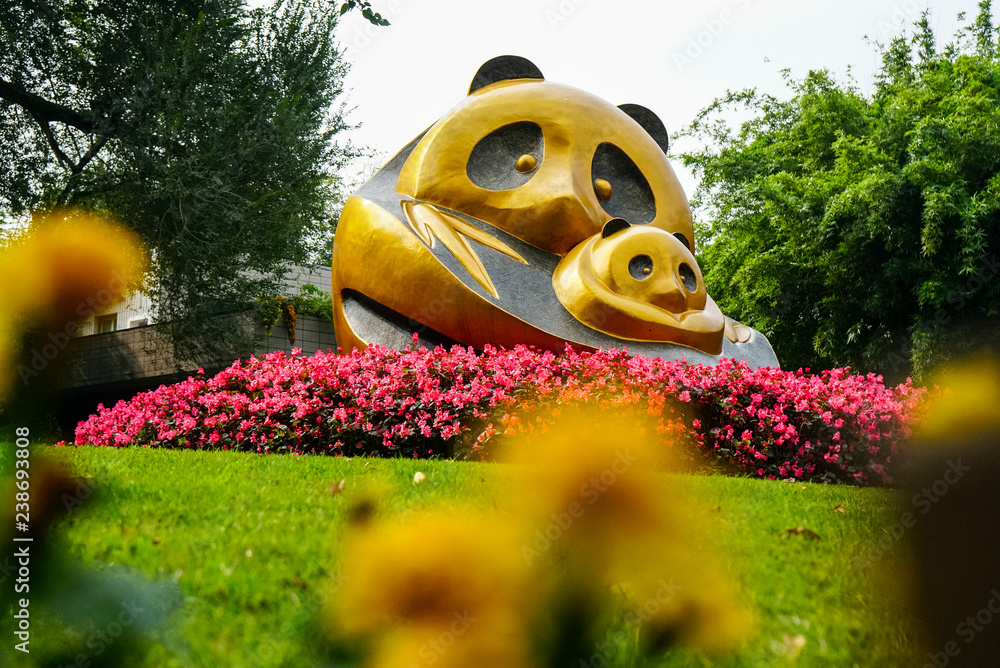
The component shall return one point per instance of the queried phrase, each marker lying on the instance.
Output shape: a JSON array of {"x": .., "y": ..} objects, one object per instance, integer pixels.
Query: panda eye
[
  {"x": 640, "y": 267},
  {"x": 621, "y": 186},
  {"x": 688, "y": 277},
  {"x": 526, "y": 163},
  {"x": 603, "y": 189},
  {"x": 507, "y": 157}
]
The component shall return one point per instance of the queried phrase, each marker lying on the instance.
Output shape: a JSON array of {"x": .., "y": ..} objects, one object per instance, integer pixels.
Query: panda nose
[
  {"x": 614, "y": 225},
  {"x": 672, "y": 281},
  {"x": 671, "y": 296}
]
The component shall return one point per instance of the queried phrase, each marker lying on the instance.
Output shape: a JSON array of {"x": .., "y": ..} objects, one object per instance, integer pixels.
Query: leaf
[
  {"x": 429, "y": 223},
  {"x": 336, "y": 488},
  {"x": 418, "y": 478},
  {"x": 801, "y": 531},
  {"x": 839, "y": 509}
]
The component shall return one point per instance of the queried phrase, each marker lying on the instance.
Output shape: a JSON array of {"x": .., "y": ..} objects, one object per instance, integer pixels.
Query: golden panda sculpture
[{"x": 531, "y": 213}]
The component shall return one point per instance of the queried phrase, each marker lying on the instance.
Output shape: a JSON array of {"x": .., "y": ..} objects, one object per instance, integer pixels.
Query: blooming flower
[{"x": 421, "y": 401}]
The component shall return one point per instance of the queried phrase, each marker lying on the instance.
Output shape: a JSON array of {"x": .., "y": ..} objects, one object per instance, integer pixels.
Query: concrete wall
[
  {"x": 321, "y": 277},
  {"x": 145, "y": 353},
  {"x": 106, "y": 368}
]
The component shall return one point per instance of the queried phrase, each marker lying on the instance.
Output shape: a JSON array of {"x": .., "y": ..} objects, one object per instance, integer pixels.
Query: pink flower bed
[{"x": 833, "y": 427}]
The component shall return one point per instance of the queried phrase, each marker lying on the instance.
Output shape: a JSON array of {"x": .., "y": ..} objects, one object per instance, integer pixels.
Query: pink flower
[{"x": 414, "y": 398}]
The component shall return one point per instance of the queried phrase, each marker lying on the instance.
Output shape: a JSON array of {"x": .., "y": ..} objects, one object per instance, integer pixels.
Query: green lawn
[{"x": 251, "y": 542}]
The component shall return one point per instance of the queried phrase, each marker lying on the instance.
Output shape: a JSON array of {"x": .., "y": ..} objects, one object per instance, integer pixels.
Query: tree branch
[
  {"x": 54, "y": 144},
  {"x": 92, "y": 151},
  {"x": 46, "y": 111}
]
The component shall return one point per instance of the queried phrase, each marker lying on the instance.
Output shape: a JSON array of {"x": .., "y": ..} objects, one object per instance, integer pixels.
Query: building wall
[
  {"x": 138, "y": 307},
  {"x": 107, "y": 367},
  {"x": 144, "y": 353},
  {"x": 135, "y": 307},
  {"x": 321, "y": 277}
]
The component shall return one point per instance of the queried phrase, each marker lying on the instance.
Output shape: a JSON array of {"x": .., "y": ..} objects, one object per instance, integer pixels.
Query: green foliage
[
  {"x": 315, "y": 302},
  {"x": 207, "y": 127},
  {"x": 861, "y": 231},
  {"x": 256, "y": 562},
  {"x": 371, "y": 15},
  {"x": 269, "y": 309},
  {"x": 310, "y": 301}
]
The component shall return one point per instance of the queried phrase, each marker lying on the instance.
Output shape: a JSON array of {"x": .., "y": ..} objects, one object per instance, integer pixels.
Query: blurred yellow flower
[
  {"x": 602, "y": 511},
  {"x": 968, "y": 405},
  {"x": 589, "y": 488},
  {"x": 591, "y": 524},
  {"x": 452, "y": 586},
  {"x": 467, "y": 642},
  {"x": 8, "y": 347},
  {"x": 685, "y": 601},
  {"x": 69, "y": 264}
]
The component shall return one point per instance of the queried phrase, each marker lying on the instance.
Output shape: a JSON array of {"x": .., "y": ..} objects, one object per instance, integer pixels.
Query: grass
[{"x": 251, "y": 542}]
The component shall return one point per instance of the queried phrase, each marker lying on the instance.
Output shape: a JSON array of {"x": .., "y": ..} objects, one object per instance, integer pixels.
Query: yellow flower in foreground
[
  {"x": 467, "y": 642},
  {"x": 687, "y": 603},
  {"x": 443, "y": 589},
  {"x": 69, "y": 265},
  {"x": 7, "y": 351},
  {"x": 589, "y": 488},
  {"x": 605, "y": 518},
  {"x": 969, "y": 404}
]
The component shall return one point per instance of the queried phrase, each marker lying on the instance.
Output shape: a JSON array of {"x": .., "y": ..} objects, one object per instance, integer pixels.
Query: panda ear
[
  {"x": 650, "y": 122},
  {"x": 502, "y": 68}
]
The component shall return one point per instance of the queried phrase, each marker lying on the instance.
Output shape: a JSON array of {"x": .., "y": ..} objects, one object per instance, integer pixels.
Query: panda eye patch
[
  {"x": 507, "y": 157},
  {"x": 640, "y": 267},
  {"x": 628, "y": 193}
]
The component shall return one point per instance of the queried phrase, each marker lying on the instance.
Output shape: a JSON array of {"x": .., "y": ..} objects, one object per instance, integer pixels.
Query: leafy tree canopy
[
  {"x": 857, "y": 230},
  {"x": 206, "y": 126}
]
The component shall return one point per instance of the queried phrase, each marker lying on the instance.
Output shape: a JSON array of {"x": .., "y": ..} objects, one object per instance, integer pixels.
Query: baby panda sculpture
[{"x": 531, "y": 213}]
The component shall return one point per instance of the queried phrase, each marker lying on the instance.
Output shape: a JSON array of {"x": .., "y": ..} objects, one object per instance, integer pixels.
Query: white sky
[{"x": 405, "y": 76}]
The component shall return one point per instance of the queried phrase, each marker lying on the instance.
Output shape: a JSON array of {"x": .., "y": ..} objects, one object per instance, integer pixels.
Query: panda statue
[{"x": 531, "y": 213}]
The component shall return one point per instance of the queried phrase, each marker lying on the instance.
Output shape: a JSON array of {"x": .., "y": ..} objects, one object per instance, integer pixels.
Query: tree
[
  {"x": 207, "y": 127},
  {"x": 856, "y": 230},
  {"x": 370, "y": 14}
]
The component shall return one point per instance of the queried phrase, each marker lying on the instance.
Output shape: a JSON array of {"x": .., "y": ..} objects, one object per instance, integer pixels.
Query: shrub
[{"x": 835, "y": 426}]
